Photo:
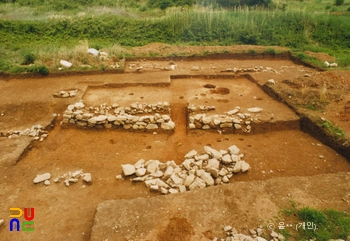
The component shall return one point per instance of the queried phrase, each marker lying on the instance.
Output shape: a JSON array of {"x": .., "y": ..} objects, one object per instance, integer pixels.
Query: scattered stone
[
  {"x": 2, "y": 222},
  {"x": 93, "y": 52},
  {"x": 255, "y": 110},
  {"x": 87, "y": 177},
  {"x": 47, "y": 182},
  {"x": 42, "y": 178},
  {"x": 128, "y": 169},
  {"x": 65, "y": 63}
]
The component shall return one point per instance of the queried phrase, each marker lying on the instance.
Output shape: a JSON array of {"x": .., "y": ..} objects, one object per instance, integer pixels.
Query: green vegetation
[
  {"x": 335, "y": 130},
  {"x": 42, "y": 32},
  {"x": 312, "y": 223}
]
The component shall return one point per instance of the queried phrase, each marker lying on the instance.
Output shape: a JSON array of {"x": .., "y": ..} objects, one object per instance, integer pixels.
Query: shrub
[
  {"x": 339, "y": 2},
  {"x": 42, "y": 69},
  {"x": 29, "y": 58}
]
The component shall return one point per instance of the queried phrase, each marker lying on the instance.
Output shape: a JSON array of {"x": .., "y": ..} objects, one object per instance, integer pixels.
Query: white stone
[
  {"x": 225, "y": 179},
  {"x": 226, "y": 159},
  {"x": 128, "y": 169},
  {"x": 173, "y": 190},
  {"x": 157, "y": 174},
  {"x": 216, "y": 154},
  {"x": 238, "y": 126},
  {"x": 213, "y": 163},
  {"x": 235, "y": 158},
  {"x": 244, "y": 166},
  {"x": 187, "y": 164},
  {"x": 189, "y": 180},
  {"x": 119, "y": 177},
  {"x": 152, "y": 166},
  {"x": 42, "y": 177},
  {"x": 207, "y": 178},
  {"x": 65, "y": 63},
  {"x": 203, "y": 157},
  {"x": 2, "y": 222},
  {"x": 176, "y": 179},
  {"x": 168, "y": 125},
  {"x": 227, "y": 228},
  {"x": 154, "y": 188},
  {"x": 182, "y": 188},
  {"x": 140, "y": 172},
  {"x": 93, "y": 52},
  {"x": 47, "y": 182},
  {"x": 233, "y": 150},
  {"x": 164, "y": 191},
  {"x": 151, "y": 126},
  {"x": 232, "y": 112},
  {"x": 87, "y": 177},
  {"x": 197, "y": 183},
  {"x": 237, "y": 167},
  {"x": 140, "y": 163},
  {"x": 168, "y": 172},
  {"x": 191, "y": 154},
  {"x": 255, "y": 110}
]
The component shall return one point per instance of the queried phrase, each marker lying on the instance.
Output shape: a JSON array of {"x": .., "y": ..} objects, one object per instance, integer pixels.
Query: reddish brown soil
[{"x": 63, "y": 213}]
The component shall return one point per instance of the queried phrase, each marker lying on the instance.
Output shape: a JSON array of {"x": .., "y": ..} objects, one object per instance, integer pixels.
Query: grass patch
[
  {"x": 310, "y": 223},
  {"x": 270, "y": 51},
  {"x": 334, "y": 129}
]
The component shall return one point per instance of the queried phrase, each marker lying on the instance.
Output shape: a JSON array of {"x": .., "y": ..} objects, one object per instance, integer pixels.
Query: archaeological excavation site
[{"x": 174, "y": 148}]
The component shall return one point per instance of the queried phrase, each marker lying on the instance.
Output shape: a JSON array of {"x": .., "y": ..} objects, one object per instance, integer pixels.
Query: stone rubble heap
[
  {"x": 69, "y": 178},
  {"x": 255, "y": 235},
  {"x": 36, "y": 131},
  {"x": 65, "y": 94},
  {"x": 197, "y": 170},
  {"x": 231, "y": 119},
  {"x": 255, "y": 69},
  {"x": 115, "y": 116}
]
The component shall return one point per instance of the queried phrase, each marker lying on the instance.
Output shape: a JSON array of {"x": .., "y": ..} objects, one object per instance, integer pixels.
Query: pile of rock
[
  {"x": 65, "y": 94},
  {"x": 231, "y": 119},
  {"x": 69, "y": 178},
  {"x": 255, "y": 69},
  {"x": 36, "y": 131},
  {"x": 203, "y": 108},
  {"x": 255, "y": 235},
  {"x": 116, "y": 116},
  {"x": 197, "y": 170}
]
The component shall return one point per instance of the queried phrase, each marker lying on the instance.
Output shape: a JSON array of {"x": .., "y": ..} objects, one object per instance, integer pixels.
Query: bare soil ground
[{"x": 63, "y": 213}]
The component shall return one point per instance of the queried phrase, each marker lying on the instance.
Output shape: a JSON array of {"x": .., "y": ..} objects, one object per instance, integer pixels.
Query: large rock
[
  {"x": 87, "y": 177},
  {"x": 244, "y": 166},
  {"x": 128, "y": 169},
  {"x": 226, "y": 159},
  {"x": 207, "y": 178},
  {"x": 168, "y": 172},
  {"x": 237, "y": 167},
  {"x": 65, "y": 64},
  {"x": 140, "y": 172},
  {"x": 191, "y": 154},
  {"x": 168, "y": 126},
  {"x": 233, "y": 150},
  {"x": 93, "y": 52},
  {"x": 189, "y": 180},
  {"x": 42, "y": 178},
  {"x": 216, "y": 154},
  {"x": 213, "y": 163},
  {"x": 197, "y": 183}
]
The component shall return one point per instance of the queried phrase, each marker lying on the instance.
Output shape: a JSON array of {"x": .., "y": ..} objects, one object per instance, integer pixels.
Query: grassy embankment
[{"x": 47, "y": 37}]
